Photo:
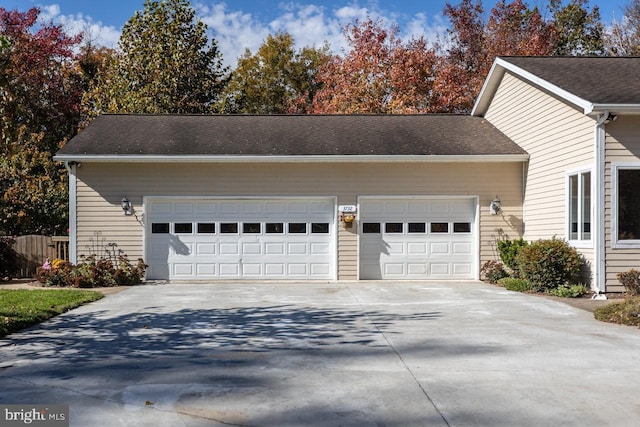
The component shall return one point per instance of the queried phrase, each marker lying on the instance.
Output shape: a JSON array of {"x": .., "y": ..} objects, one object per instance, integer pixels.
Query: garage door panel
[
  {"x": 274, "y": 248},
  {"x": 462, "y": 248},
  {"x": 251, "y": 248},
  {"x": 227, "y": 248},
  {"x": 414, "y": 248},
  {"x": 320, "y": 248},
  {"x": 205, "y": 249},
  {"x": 439, "y": 269},
  {"x": 183, "y": 270},
  {"x": 435, "y": 239},
  {"x": 297, "y": 249},
  {"x": 217, "y": 238}
]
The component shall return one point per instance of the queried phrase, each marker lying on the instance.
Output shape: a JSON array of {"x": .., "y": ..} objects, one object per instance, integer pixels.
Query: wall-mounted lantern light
[
  {"x": 495, "y": 206},
  {"x": 127, "y": 209}
]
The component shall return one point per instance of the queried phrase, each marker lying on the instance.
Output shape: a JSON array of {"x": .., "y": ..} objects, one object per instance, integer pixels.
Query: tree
[
  {"x": 624, "y": 37},
  {"x": 380, "y": 74},
  {"x": 578, "y": 32},
  {"x": 40, "y": 94},
  {"x": 274, "y": 80},
  {"x": 165, "y": 64},
  {"x": 37, "y": 81},
  {"x": 472, "y": 46}
]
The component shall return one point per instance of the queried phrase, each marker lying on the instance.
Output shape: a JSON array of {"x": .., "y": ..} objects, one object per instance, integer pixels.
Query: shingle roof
[
  {"x": 599, "y": 80},
  {"x": 289, "y": 135}
]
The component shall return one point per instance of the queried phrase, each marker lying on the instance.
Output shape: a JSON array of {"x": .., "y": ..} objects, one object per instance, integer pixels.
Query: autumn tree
[
  {"x": 165, "y": 64},
  {"x": 473, "y": 44},
  {"x": 578, "y": 31},
  {"x": 276, "y": 79},
  {"x": 40, "y": 94},
  {"x": 379, "y": 74},
  {"x": 624, "y": 37}
]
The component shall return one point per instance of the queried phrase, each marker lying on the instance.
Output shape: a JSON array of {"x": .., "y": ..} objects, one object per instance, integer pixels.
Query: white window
[
  {"x": 626, "y": 205},
  {"x": 579, "y": 206}
]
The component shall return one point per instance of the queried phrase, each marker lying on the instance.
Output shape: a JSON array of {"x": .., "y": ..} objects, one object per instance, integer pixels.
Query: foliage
[
  {"x": 166, "y": 64},
  {"x": 515, "y": 284},
  {"x": 508, "y": 250},
  {"x": 38, "y": 83},
  {"x": 493, "y": 271},
  {"x": 34, "y": 190},
  {"x": 274, "y": 80},
  {"x": 8, "y": 258},
  {"x": 93, "y": 273},
  {"x": 630, "y": 279},
  {"x": 623, "y": 38},
  {"x": 379, "y": 74},
  {"x": 624, "y": 313},
  {"x": 20, "y": 308},
  {"x": 40, "y": 95},
  {"x": 472, "y": 46},
  {"x": 578, "y": 32},
  {"x": 549, "y": 263},
  {"x": 572, "y": 291}
]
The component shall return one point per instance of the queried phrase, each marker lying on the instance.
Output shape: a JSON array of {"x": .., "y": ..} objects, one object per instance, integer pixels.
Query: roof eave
[
  {"x": 615, "y": 109},
  {"x": 495, "y": 76},
  {"x": 138, "y": 158}
]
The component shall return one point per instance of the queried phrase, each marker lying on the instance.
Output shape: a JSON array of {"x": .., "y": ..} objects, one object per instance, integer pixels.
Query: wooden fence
[{"x": 33, "y": 250}]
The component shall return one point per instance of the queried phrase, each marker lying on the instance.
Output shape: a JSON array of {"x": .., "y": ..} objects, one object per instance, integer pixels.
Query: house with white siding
[{"x": 547, "y": 151}]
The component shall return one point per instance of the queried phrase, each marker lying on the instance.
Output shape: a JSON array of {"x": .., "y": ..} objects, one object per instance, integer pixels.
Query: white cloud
[
  {"x": 103, "y": 35},
  {"x": 237, "y": 30}
]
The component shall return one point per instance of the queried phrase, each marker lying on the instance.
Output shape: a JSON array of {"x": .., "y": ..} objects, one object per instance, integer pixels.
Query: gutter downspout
[
  {"x": 73, "y": 233},
  {"x": 599, "y": 236}
]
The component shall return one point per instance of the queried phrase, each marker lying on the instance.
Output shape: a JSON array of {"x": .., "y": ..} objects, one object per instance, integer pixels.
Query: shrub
[
  {"x": 573, "y": 291},
  {"x": 630, "y": 279},
  {"x": 493, "y": 271},
  {"x": 94, "y": 272},
  {"x": 624, "y": 313},
  {"x": 8, "y": 258},
  {"x": 515, "y": 284},
  {"x": 548, "y": 264},
  {"x": 508, "y": 250}
]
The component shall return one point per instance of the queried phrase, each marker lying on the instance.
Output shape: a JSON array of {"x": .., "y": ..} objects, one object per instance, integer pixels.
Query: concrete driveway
[{"x": 324, "y": 354}]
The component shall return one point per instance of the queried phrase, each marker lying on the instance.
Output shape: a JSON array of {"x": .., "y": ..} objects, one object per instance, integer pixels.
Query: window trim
[
  {"x": 579, "y": 172},
  {"x": 615, "y": 243}
]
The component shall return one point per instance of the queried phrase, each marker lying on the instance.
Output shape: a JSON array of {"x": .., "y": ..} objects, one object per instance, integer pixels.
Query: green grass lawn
[{"x": 20, "y": 308}]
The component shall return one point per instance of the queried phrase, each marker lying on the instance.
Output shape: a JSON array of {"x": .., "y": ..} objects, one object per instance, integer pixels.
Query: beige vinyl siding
[
  {"x": 101, "y": 186},
  {"x": 622, "y": 146},
  {"x": 558, "y": 138}
]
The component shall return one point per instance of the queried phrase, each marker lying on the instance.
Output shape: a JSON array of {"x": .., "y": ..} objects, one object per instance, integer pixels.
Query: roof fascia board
[
  {"x": 289, "y": 159},
  {"x": 495, "y": 73},
  {"x": 616, "y": 108},
  {"x": 586, "y": 106}
]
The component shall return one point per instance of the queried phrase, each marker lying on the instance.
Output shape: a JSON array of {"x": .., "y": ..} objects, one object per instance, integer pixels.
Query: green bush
[
  {"x": 573, "y": 291},
  {"x": 493, "y": 271},
  {"x": 624, "y": 313},
  {"x": 515, "y": 284},
  {"x": 548, "y": 264},
  {"x": 8, "y": 258},
  {"x": 630, "y": 279},
  {"x": 508, "y": 250}
]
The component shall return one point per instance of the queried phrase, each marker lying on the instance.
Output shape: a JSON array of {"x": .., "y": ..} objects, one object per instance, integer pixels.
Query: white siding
[
  {"x": 558, "y": 138},
  {"x": 101, "y": 186}
]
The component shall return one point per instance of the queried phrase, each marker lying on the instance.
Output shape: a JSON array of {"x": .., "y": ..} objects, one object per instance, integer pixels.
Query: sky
[{"x": 240, "y": 24}]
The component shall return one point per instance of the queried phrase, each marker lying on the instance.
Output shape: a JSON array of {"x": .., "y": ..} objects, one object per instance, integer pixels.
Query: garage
[
  {"x": 418, "y": 237},
  {"x": 240, "y": 238}
]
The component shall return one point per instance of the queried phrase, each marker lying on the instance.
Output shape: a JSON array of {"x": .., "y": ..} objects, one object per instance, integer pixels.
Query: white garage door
[
  {"x": 417, "y": 238},
  {"x": 240, "y": 239}
]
